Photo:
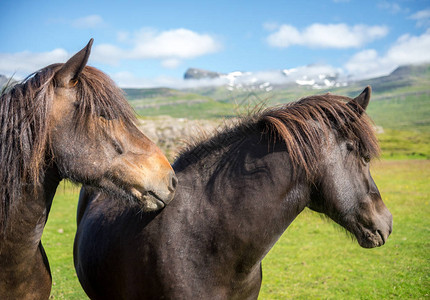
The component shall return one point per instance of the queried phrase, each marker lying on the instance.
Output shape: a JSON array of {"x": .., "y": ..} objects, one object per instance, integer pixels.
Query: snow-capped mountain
[{"x": 315, "y": 76}]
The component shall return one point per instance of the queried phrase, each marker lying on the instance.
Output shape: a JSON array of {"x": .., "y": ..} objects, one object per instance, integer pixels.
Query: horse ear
[
  {"x": 69, "y": 72},
  {"x": 359, "y": 104}
]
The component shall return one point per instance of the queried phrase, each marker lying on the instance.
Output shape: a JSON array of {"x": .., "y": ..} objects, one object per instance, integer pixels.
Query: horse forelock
[
  {"x": 97, "y": 95},
  {"x": 305, "y": 124},
  {"x": 24, "y": 125},
  {"x": 301, "y": 125}
]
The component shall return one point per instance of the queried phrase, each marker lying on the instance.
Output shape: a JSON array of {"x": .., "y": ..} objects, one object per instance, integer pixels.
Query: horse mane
[
  {"x": 24, "y": 123},
  {"x": 302, "y": 125}
]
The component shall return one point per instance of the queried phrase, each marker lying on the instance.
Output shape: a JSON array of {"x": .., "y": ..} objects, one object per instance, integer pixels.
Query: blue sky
[{"x": 142, "y": 43}]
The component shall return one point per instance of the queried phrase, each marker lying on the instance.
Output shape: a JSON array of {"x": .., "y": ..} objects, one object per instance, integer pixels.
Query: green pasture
[
  {"x": 402, "y": 115},
  {"x": 314, "y": 259}
]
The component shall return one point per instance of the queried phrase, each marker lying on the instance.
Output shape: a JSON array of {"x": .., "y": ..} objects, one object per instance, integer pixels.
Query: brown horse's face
[
  {"x": 110, "y": 154},
  {"x": 347, "y": 193}
]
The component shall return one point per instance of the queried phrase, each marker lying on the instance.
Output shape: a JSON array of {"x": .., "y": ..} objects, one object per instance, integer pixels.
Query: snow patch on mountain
[{"x": 316, "y": 76}]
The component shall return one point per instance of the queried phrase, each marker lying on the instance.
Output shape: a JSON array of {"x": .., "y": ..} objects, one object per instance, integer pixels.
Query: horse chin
[
  {"x": 370, "y": 238},
  {"x": 148, "y": 201}
]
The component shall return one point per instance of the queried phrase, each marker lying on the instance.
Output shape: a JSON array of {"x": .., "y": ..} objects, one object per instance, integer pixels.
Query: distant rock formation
[{"x": 193, "y": 73}]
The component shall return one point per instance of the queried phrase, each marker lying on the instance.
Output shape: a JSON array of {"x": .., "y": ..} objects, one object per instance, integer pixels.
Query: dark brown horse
[
  {"x": 66, "y": 121},
  {"x": 238, "y": 191}
]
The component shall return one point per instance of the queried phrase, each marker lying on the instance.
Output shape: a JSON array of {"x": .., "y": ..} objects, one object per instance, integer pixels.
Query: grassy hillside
[
  {"x": 177, "y": 104},
  {"x": 400, "y": 105},
  {"x": 405, "y": 119},
  {"x": 405, "y": 84}
]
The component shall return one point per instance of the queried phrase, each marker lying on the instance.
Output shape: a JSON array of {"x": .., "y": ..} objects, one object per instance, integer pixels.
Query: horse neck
[
  {"x": 28, "y": 218},
  {"x": 247, "y": 196}
]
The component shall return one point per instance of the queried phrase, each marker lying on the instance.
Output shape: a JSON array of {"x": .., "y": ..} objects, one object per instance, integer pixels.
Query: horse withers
[
  {"x": 238, "y": 192},
  {"x": 66, "y": 121}
]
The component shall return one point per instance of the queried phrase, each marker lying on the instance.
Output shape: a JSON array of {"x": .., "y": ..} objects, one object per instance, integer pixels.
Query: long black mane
[
  {"x": 24, "y": 125},
  {"x": 294, "y": 123}
]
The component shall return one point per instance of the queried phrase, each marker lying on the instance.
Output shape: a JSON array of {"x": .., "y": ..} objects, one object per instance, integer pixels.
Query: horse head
[
  {"x": 345, "y": 190},
  {"x": 94, "y": 139}
]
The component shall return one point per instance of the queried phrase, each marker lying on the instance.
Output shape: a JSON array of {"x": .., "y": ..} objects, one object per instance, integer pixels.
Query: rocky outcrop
[
  {"x": 193, "y": 73},
  {"x": 173, "y": 134}
]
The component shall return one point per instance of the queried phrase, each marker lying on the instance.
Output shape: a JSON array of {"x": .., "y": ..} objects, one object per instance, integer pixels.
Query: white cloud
[
  {"x": 317, "y": 35},
  {"x": 411, "y": 49},
  {"x": 24, "y": 63},
  {"x": 367, "y": 64},
  {"x": 178, "y": 43},
  {"x": 406, "y": 50},
  {"x": 171, "y": 47},
  {"x": 422, "y": 17},
  {"x": 91, "y": 21},
  {"x": 286, "y": 36}
]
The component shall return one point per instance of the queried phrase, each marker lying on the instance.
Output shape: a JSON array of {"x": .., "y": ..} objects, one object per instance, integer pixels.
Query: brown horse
[
  {"x": 66, "y": 121},
  {"x": 238, "y": 192}
]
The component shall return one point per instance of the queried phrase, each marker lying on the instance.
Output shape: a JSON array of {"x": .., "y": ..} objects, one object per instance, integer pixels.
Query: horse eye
[
  {"x": 366, "y": 158},
  {"x": 350, "y": 146},
  {"x": 118, "y": 148},
  {"x": 106, "y": 116}
]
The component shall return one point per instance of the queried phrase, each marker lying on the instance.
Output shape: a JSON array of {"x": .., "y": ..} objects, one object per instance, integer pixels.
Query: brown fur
[
  {"x": 24, "y": 120},
  {"x": 290, "y": 124}
]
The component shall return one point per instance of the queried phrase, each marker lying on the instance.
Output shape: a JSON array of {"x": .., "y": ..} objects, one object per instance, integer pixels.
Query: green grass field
[
  {"x": 402, "y": 113},
  {"x": 314, "y": 259}
]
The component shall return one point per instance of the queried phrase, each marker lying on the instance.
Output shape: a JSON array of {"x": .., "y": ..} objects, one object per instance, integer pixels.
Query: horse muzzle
[
  {"x": 158, "y": 196},
  {"x": 376, "y": 235}
]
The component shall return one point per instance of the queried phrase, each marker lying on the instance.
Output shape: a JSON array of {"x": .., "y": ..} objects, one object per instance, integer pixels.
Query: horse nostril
[{"x": 173, "y": 182}]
